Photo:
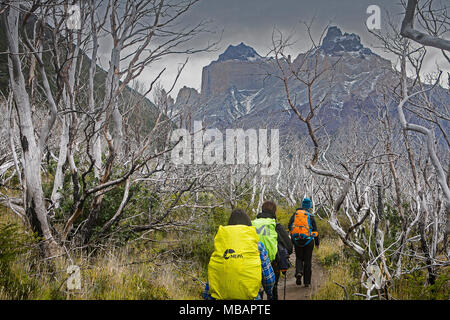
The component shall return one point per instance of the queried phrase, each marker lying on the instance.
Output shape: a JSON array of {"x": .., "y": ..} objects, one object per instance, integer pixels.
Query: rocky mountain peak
[
  {"x": 240, "y": 52},
  {"x": 336, "y": 42},
  {"x": 240, "y": 66},
  {"x": 187, "y": 95}
]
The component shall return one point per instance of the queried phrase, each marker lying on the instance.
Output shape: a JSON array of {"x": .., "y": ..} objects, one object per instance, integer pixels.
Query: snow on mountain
[
  {"x": 336, "y": 42},
  {"x": 241, "y": 89},
  {"x": 240, "y": 52}
]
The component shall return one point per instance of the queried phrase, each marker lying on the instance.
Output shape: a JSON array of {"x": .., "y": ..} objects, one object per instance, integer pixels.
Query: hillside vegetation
[{"x": 171, "y": 266}]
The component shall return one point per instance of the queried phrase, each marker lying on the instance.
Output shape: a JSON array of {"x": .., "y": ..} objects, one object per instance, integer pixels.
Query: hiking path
[{"x": 299, "y": 292}]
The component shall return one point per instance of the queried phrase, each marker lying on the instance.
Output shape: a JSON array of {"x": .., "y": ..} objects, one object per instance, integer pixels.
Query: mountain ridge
[
  {"x": 237, "y": 91},
  {"x": 335, "y": 41},
  {"x": 240, "y": 52},
  {"x": 149, "y": 109},
  {"x": 244, "y": 93}
]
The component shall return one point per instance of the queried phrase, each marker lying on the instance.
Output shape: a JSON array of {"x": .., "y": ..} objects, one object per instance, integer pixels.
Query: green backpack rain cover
[{"x": 265, "y": 227}]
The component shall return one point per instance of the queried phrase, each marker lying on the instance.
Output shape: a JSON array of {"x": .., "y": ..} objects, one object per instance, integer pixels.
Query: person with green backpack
[
  {"x": 304, "y": 234},
  {"x": 239, "y": 264},
  {"x": 276, "y": 240}
]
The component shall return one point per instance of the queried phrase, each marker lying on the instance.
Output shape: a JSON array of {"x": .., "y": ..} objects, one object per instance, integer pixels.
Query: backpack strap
[{"x": 313, "y": 234}]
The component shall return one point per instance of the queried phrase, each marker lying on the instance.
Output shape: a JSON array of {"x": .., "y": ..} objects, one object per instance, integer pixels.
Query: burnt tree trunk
[{"x": 34, "y": 204}]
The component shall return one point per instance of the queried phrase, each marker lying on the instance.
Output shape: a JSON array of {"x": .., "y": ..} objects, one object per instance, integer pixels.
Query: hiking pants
[
  {"x": 276, "y": 270},
  {"x": 303, "y": 257}
]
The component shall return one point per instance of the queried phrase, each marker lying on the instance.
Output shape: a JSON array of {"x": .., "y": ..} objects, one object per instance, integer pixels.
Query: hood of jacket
[{"x": 266, "y": 214}]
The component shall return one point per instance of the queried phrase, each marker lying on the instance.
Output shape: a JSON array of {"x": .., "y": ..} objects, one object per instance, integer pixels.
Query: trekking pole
[{"x": 284, "y": 298}]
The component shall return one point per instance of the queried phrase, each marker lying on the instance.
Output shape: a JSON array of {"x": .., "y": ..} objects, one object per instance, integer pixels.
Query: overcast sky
[{"x": 252, "y": 22}]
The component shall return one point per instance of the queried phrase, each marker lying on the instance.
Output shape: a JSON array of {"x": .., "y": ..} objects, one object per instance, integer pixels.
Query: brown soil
[{"x": 299, "y": 292}]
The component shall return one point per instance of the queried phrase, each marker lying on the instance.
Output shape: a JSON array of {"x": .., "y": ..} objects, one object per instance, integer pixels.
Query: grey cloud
[{"x": 252, "y": 22}]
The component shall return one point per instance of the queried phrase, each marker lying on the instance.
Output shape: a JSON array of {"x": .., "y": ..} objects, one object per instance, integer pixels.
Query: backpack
[
  {"x": 234, "y": 270},
  {"x": 301, "y": 227},
  {"x": 283, "y": 259},
  {"x": 265, "y": 227}
]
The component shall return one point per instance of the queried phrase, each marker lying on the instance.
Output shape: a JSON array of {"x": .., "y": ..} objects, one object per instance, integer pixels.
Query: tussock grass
[
  {"x": 344, "y": 271},
  {"x": 414, "y": 286},
  {"x": 338, "y": 271},
  {"x": 284, "y": 214},
  {"x": 132, "y": 272},
  {"x": 113, "y": 275},
  {"x": 170, "y": 269}
]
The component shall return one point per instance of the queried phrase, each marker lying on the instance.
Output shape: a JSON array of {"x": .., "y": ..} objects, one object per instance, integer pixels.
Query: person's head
[
  {"x": 270, "y": 208},
  {"x": 306, "y": 203},
  {"x": 238, "y": 216}
]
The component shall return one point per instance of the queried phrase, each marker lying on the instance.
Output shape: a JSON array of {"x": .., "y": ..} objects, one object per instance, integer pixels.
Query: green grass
[
  {"x": 173, "y": 268},
  {"x": 137, "y": 271},
  {"x": 414, "y": 286}
]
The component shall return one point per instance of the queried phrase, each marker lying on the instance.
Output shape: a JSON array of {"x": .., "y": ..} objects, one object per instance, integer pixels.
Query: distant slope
[{"x": 148, "y": 112}]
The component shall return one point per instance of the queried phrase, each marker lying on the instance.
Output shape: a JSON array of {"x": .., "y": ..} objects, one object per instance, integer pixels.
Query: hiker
[
  {"x": 276, "y": 240},
  {"x": 304, "y": 234},
  {"x": 239, "y": 264}
]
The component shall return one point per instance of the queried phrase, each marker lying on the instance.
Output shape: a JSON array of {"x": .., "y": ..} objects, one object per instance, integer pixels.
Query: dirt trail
[{"x": 295, "y": 292}]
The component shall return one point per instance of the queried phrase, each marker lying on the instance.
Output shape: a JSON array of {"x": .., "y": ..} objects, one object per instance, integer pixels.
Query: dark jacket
[
  {"x": 283, "y": 236},
  {"x": 313, "y": 226}
]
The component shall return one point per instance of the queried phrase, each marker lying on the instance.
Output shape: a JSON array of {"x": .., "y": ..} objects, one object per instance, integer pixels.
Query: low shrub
[{"x": 14, "y": 282}]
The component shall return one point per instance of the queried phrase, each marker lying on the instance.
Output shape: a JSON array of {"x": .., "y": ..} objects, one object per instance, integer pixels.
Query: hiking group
[{"x": 249, "y": 256}]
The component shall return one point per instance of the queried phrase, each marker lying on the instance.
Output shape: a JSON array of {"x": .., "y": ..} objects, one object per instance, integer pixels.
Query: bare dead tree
[
  {"x": 362, "y": 165},
  {"x": 433, "y": 19},
  {"x": 34, "y": 204},
  {"x": 425, "y": 119},
  {"x": 90, "y": 124}
]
